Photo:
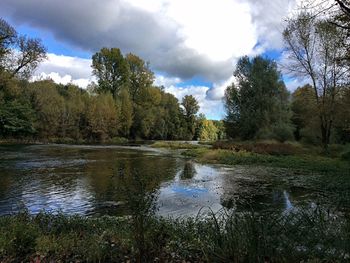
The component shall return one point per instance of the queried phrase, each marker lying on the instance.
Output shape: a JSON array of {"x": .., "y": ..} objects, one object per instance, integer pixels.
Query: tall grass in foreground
[{"x": 308, "y": 235}]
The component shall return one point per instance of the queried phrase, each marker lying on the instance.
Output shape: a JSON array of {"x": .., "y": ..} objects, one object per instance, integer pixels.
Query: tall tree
[
  {"x": 19, "y": 55},
  {"x": 314, "y": 48},
  {"x": 258, "y": 106},
  {"x": 191, "y": 108},
  {"x": 112, "y": 71},
  {"x": 8, "y": 36},
  {"x": 303, "y": 117},
  {"x": 141, "y": 77},
  {"x": 126, "y": 112}
]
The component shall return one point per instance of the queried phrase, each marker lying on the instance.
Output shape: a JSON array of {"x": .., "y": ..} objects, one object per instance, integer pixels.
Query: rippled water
[{"x": 92, "y": 180}]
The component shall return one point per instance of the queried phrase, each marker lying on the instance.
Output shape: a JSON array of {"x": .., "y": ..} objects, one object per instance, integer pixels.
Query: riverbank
[
  {"x": 271, "y": 154},
  {"x": 308, "y": 235}
]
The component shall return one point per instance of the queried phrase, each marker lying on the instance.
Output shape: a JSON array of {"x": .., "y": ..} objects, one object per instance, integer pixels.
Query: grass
[
  {"x": 175, "y": 145},
  {"x": 305, "y": 235},
  {"x": 291, "y": 156}
]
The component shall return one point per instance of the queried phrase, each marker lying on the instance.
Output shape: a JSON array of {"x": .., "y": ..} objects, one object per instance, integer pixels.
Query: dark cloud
[{"x": 92, "y": 24}]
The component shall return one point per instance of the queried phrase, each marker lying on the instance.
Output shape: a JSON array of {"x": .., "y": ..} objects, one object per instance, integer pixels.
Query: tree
[
  {"x": 342, "y": 122},
  {"x": 16, "y": 119},
  {"x": 314, "y": 49},
  {"x": 126, "y": 112},
  {"x": 141, "y": 77},
  {"x": 112, "y": 71},
  {"x": 208, "y": 131},
  {"x": 31, "y": 53},
  {"x": 258, "y": 107},
  {"x": 303, "y": 117},
  {"x": 19, "y": 55},
  {"x": 191, "y": 108},
  {"x": 8, "y": 36},
  {"x": 102, "y": 118},
  {"x": 49, "y": 107}
]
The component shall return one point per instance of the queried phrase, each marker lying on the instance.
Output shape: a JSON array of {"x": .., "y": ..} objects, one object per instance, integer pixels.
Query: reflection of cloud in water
[
  {"x": 289, "y": 205},
  {"x": 187, "y": 196},
  {"x": 188, "y": 191},
  {"x": 58, "y": 198}
]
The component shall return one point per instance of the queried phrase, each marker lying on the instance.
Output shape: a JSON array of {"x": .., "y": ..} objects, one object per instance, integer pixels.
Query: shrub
[{"x": 282, "y": 132}]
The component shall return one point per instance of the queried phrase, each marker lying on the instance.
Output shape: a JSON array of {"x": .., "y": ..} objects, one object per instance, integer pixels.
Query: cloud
[
  {"x": 213, "y": 109},
  {"x": 217, "y": 92},
  {"x": 183, "y": 38},
  {"x": 166, "y": 81},
  {"x": 65, "y": 69}
]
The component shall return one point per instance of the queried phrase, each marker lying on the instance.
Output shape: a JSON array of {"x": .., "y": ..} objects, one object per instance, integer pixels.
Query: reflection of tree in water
[
  {"x": 189, "y": 171},
  {"x": 254, "y": 188},
  {"x": 108, "y": 184},
  {"x": 263, "y": 200}
]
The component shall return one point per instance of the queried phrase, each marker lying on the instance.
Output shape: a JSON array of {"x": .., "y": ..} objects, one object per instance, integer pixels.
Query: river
[{"x": 98, "y": 180}]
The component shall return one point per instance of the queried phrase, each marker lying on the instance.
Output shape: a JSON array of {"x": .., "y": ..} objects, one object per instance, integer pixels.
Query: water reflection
[
  {"x": 95, "y": 180},
  {"x": 188, "y": 171}
]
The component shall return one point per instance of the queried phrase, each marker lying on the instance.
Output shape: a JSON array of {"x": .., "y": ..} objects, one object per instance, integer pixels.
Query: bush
[
  {"x": 227, "y": 236},
  {"x": 260, "y": 147},
  {"x": 346, "y": 156},
  {"x": 118, "y": 140},
  {"x": 282, "y": 132}
]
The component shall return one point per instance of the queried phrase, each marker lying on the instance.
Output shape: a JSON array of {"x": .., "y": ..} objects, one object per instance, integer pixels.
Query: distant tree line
[
  {"x": 258, "y": 106},
  {"x": 123, "y": 104}
]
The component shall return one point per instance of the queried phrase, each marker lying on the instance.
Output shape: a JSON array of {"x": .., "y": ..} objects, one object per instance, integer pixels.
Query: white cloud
[
  {"x": 65, "y": 69},
  {"x": 210, "y": 30},
  {"x": 213, "y": 109},
  {"x": 166, "y": 81}
]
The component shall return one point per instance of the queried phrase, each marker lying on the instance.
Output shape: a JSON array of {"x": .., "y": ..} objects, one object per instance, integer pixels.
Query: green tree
[
  {"x": 16, "y": 119},
  {"x": 342, "y": 123},
  {"x": 258, "y": 106},
  {"x": 72, "y": 120},
  {"x": 49, "y": 107},
  {"x": 102, "y": 118},
  {"x": 112, "y": 71},
  {"x": 191, "y": 108},
  {"x": 315, "y": 49},
  {"x": 208, "y": 131},
  {"x": 126, "y": 112},
  {"x": 303, "y": 117},
  {"x": 141, "y": 77}
]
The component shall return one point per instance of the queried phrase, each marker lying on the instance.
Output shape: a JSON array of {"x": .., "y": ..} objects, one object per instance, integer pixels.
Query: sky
[{"x": 191, "y": 45}]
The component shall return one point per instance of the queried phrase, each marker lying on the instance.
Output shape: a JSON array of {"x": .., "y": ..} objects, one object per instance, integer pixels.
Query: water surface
[{"x": 97, "y": 180}]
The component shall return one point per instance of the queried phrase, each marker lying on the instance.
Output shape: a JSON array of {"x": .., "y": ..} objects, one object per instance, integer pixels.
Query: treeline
[
  {"x": 123, "y": 104},
  {"x": 258, "y": 105}
]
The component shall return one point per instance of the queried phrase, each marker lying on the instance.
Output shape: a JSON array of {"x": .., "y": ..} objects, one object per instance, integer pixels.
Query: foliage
[
  {"x": 16, "y": 119},
  {"x": 227, "y": 236},
  {"x": 111, "y": 70},
  {"x": 208, "y": 131},
  {"x": 314, "y": 48},
  {"x": 258, "y": 106},
  {"x": 174, "y": 145},
  {"x": 19, "y": 55},
  {"x": 191, "y": 108}
]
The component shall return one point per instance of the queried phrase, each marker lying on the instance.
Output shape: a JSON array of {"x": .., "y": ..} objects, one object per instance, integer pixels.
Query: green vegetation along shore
[
  {"x": 304, "y": 235},
  {"x": 267, "y": 153}
]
